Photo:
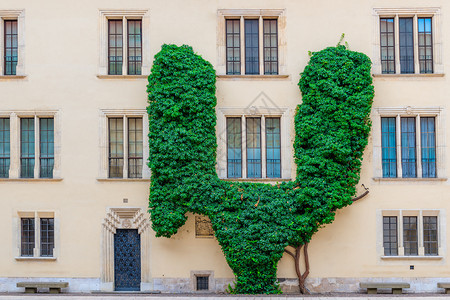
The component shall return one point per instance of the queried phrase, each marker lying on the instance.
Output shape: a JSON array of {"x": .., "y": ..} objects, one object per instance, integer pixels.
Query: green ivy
[{"x": 255, "y": 222}]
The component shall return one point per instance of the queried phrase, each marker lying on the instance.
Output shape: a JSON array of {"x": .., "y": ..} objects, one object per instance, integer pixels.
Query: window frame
[
  {"x": 124, "y": 15},
  {"x": 419, "y": 214},
  {"x": 396, "y": 13},
  {"x": 407, "y": 112},
  {"x": 19, "y": 16},
  {"x": 251, "y": 14},
  {"x": 243, "y": 114}
]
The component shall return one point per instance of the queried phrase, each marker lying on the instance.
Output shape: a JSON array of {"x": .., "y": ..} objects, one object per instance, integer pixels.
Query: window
[
  {"x": 202, "y": 283},
  {"x": 408, "y": 41},
  {"x": 416, "y": 235},
  {"x": 11, "y": 47},
  {"x": 252, "y": 42},
  {"x": 123, "y": 42},
  {"x": 37, "y": 234},
  {"x": 11, "y": 42},
  {"x": 5, "y": 155},
  {"x": 409, "y": 143}
]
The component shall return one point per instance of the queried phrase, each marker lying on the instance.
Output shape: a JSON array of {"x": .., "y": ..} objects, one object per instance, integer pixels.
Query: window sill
[
  {"x": 122, "y": 76},
  {"x": 412, "y": 257},
  {"x": 381, "y": 179},
  {"x": 408, "y": 75},
  {"x": 28, "y": 258},
  {"x": 123, "y": 179},
  {"x": 252, "y": 77},
  {"x": 31, "y": 179},
  {"x": 257, "y": 179},
  {"x": 12, "y": 77}
]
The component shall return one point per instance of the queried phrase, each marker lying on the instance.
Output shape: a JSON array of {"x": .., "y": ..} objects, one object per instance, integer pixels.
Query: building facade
[{"x": 74, "y": 183}]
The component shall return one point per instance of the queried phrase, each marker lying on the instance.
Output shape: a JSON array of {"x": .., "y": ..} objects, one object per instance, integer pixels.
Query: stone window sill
[
  {"x": 133, "y": 77},
  {"x": 381, "y": 179},
  {"x": 12, "y": 77},
  {"x": 257, "y": 179},
  {"x": 408, "y": 75},
  {"x": 436, "y": 257},
  {"x": 252, "y": 77},
  {"x": 123, "y": 179},
  {"x": 32, "y": 179},
  {"x": 28, "y": 258}
]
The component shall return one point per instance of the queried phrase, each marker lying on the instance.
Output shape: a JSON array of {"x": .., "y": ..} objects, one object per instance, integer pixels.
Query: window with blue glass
[
  {"x": 388, "y": 147},
  {"x": 27, "y": 148},
  {"x": 5, "y": 155},
  {"x": 46, "y": 147},
  {"x": 273, "y": 148},
  {"x": 251, "y": 46},
  {"x": 10, "y": 47},
  {"x": 234, "y": 148},
  {"x": 406, "y": 44},
  {"x": 253, "y": 147},
  {"x": 428, "y": 143},
  {"x": 408, "y": 143},
  {"x": 425, "y": 45}
]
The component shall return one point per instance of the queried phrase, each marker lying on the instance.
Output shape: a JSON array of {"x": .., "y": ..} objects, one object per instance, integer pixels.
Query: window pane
[
  {"x": 388, "y": 147},
  {"x": 251, "y": 46},
  {"x": 47, "y": 236},
  {"x": 26, "y": 236},
  {"x": 273, "y": 148},
  {"x": 10, "y": 49},
  {"x": 47, "y": 153},
  {"x": 234, "y": 148},
  {"x": 115, "y": 147},
  {"x": 135, "y": 157},
  {"x": 390, "y": 242},
  {"x": 115, "y": 37},
  {"x": 428, "y": 142},
  {"x": 387, "y": 45},
  {"x": 270, "y": 47},
  {"x": 253, "y": 147},
  {"x": 425, "y": 45},
  {"x": 4, "y": 147},
  {"x": 430, "y": 235},
  {"x": 233, "y": 46},
  {"x": 406, "y": 45},
  {"x": 134, "y": 47},
  {"x": 408, "y": 147},
  {"x": 27, "y": 148},
  {"x": 410, "y": 235}
]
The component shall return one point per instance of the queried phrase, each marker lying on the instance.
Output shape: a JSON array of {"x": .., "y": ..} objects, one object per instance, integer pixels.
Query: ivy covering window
[
  {"x": 5, "y": 157},
  {"x": 11, "y": 47},
  {"x": 47, "y": 147},
  {"x": 233, "y": 46},
  {"x": 27, "y": 149}
]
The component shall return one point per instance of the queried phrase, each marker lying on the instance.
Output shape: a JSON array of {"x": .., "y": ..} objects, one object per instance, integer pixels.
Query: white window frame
[
  {"x": 398, "y": 113},
  {"x": 19, "y": 15},
  {"x": 419, "y": 213},
  {"x": 396, "y": 13},
  {"x": 253, "y": 111},
  {"x": 124, "y": 15},
  {"x": 242, "y": 14},
  {"x": 105, "y": 114},
  {"x": 37, "y": 216},
  {"x": 14, "y": 123}
]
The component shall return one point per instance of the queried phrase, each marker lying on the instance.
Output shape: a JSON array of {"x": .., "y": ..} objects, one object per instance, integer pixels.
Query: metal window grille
[
  {"x": 406, "y": 45},
  {"x": 388, "y": 147},
  {"x": 430, "y": 235},
  {"x": 47, "y": 146},
  {"x": 253, "y": 147},
  {"x": 234, "y": 148},
  {"x": 11, "y": 47},
  {"x": 27, "y": 236},
  {"x": 410, "y": 235},
  {"x": 425, "y": 45},
  {"x": 27, "y": 155},
  {"x": 390, "y": 236},
  {"x": 273, "y": 148},
  {"x": 428, "y": 144},
  {"x": 202, "y": 283},
  {"x": 115, "y": 47},
  {"x": 233, "y": 42},
  {"x": 251, "y": 46},
  {"x": 270, "y": 29},
  {"x": 5, "y": 155},
  {"x": 134, "y": 31},
  {"x": 387, "y": 44},
  {"x": 408, "y": 142},
  {"x": 135, "y": 157},
  {"x": 47, "y": 236},
  {"x": 115, "y": 147}
]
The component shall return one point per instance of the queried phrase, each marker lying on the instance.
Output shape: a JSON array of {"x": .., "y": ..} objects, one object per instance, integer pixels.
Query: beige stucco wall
[{"x": 61, "y": 61}]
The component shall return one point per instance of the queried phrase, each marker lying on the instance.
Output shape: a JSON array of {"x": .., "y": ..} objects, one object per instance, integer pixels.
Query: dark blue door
[{"x": 127, "y": 260}]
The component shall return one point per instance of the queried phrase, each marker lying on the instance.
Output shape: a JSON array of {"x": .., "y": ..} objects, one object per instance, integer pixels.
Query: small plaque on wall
[{"x": 203, "y": 227}]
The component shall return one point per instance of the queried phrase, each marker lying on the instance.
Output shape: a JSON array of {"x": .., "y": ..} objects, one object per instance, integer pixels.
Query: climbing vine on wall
[{"x": 255, "y": 222}]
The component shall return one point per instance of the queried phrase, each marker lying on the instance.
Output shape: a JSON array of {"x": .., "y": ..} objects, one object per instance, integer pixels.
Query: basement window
[{"x": 202, "y": 283}]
